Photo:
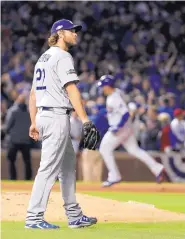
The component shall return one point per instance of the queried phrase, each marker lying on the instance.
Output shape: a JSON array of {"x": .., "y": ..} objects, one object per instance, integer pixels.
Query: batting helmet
[{"x": 106, "y": 80}]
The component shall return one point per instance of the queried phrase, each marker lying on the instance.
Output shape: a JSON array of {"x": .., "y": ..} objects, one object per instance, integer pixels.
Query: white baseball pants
[{"x": 126, "y": 138}]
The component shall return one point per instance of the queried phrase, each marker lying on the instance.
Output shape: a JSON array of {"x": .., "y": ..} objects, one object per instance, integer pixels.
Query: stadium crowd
[{"x": 141, "y": 43}]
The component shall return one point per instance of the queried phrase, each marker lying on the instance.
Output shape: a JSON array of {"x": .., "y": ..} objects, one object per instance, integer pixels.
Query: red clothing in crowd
[{"x": 165, "y": 137}]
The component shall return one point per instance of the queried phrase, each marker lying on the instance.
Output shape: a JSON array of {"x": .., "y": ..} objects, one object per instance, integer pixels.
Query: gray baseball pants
[{"x": 57, "y": 161}]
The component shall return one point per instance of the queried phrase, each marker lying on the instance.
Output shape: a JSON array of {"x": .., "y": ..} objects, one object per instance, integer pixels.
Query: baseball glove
[{"x": 90, "y": 136}]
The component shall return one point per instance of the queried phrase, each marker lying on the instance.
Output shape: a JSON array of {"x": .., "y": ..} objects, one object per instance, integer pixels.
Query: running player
[{"x": 121, "y": 133}]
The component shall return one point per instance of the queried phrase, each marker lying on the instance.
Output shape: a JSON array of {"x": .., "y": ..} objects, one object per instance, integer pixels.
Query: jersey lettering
[
  {"x": 71, "y": 71},
  {"x": 40, "y": 77},
  {"x": 44, "y": 58}
]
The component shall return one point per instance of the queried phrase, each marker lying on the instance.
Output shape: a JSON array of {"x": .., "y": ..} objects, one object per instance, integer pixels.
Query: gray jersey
[{"x": 52, "y": 71}]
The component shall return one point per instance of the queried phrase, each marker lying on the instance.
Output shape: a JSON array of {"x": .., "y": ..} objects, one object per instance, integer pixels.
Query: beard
[{"x": 70, "y": 44}]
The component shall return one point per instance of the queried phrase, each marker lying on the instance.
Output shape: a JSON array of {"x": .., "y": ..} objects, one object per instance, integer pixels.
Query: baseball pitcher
[{"x": 53, "y": 97}]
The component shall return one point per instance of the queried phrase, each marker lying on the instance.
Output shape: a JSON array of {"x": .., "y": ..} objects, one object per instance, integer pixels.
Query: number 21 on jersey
[{"x": 40, "y": 77}]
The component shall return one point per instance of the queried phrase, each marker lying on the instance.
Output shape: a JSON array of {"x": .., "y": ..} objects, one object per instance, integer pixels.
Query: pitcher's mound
[{"x": 14, "y": 205}]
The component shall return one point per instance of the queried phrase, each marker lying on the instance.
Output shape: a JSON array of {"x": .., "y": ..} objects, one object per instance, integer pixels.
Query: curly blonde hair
[{"x": 53, "y": 39}]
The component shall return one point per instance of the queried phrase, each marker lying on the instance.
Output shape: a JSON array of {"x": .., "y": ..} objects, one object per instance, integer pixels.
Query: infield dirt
[{"x": 15, "y": 198}]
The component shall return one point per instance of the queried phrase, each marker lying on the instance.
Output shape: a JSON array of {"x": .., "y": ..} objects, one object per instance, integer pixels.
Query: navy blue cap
[{"x": 64, "y": 24}]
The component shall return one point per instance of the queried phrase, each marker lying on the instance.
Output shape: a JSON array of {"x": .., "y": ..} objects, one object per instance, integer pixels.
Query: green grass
[
  {"x": 168, "y": 201},
  {"x": 15, "y": 230}
]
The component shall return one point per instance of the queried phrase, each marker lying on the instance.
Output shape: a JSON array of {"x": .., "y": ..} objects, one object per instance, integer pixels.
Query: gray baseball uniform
[{"x": 53, "y": 70}]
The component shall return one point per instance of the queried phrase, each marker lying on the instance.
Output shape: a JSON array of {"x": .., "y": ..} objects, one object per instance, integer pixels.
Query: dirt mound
[{"x": 14, "y": 205}]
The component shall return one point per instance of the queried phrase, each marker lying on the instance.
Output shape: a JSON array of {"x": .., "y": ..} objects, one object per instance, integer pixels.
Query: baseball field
[{"x": 127, "y": 210}]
